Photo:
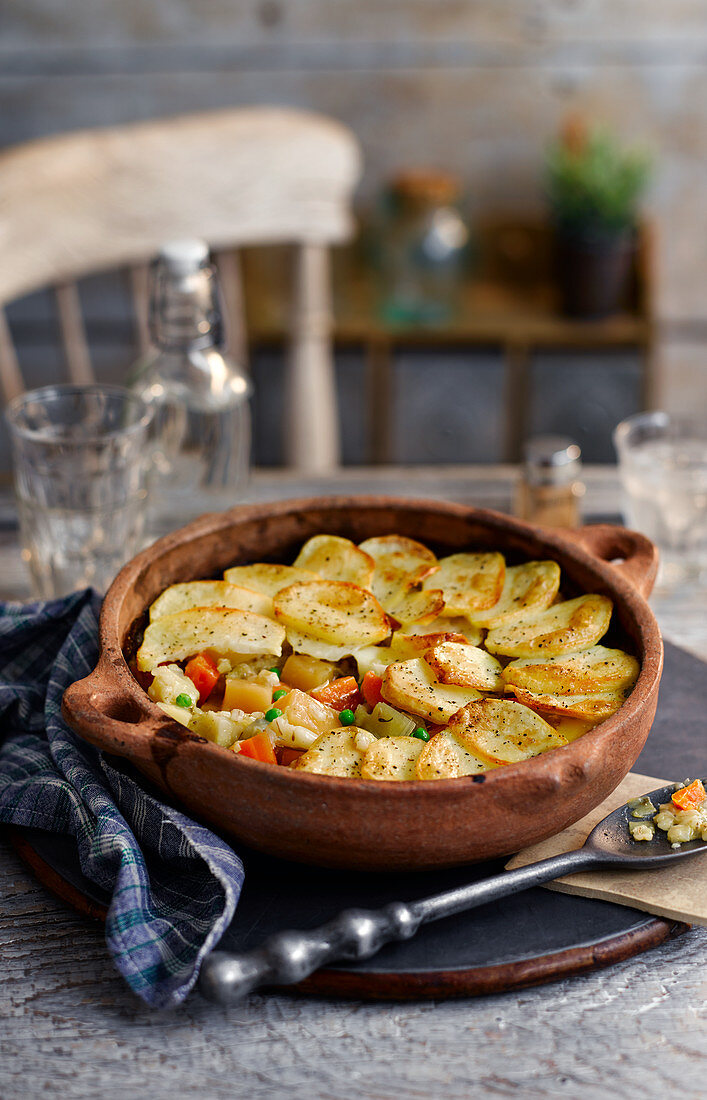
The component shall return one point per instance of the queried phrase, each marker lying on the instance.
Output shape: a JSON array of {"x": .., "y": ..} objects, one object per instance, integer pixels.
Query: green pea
[
  {"x": 183, "y": 700},
  {"x": 272, "y": 714},
  {"x": 421, "y": 732},
  {"x": 347, "y": 717},
  {"x": 278, "y": 694},
  {"x": 274, "y": 669}
]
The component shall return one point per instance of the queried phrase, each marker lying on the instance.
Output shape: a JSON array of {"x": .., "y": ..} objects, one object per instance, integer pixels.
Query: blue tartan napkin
[{"x": 174, "y": 885}]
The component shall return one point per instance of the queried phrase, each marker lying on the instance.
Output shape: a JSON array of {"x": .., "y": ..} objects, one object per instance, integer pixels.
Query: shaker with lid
[{"x": 550, "y": 489}]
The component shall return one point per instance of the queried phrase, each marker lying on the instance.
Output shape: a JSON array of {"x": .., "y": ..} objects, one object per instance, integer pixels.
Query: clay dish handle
[
  {"x": 106, "y": 711},
  {"x": 630, "y": 553}
]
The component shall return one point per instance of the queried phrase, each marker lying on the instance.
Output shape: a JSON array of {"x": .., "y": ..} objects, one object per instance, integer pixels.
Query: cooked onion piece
[
  {"x": 503, "y": 731},
  {"x": 595, "y": 707},
  {"x": 180, "y": 597},
  {"x": 392, "y": 758},
  {"x": 464, "y": 664},
  {"x": 336, "y": 559},
  {"x": 339, "y": 753},
  {"x": 592, "y": 670},
  {"x": 335, "y": 612},
  {"x": 401, "y": 563},
  {"x": 446, "y": 757},
  {"x": 412, "y": 686},
  {"x": 563, "y": 628},
  {"x": 266, "y": 578},
  {"x": 530, "y": 587},
  {"x": 416, "y": 607},
  {"x": 470, "y": 582},
  {"x": 226, "y": 631}
]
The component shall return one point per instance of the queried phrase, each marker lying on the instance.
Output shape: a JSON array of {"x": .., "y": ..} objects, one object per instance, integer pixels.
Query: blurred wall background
[{"x": 476, "y": 86}]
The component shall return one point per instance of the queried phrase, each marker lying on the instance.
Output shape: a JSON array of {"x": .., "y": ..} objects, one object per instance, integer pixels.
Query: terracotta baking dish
[{"x": 359, "y": 823}]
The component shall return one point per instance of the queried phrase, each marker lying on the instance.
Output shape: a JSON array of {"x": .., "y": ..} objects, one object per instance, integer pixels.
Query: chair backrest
[{"x": 93, "y": 200}]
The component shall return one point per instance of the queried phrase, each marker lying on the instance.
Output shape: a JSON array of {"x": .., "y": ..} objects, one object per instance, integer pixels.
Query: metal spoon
[{"x": 289, "y": 957}]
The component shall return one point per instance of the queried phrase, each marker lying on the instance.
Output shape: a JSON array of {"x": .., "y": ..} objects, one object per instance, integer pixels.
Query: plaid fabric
[{"x": 174, "y": 885}]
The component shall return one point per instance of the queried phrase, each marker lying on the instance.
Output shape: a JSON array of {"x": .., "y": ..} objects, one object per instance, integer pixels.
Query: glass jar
[{"x": 423, "y": 249}]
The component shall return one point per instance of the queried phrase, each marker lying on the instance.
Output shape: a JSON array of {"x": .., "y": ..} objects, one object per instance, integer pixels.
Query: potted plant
[{"x": 594, "y": 187}]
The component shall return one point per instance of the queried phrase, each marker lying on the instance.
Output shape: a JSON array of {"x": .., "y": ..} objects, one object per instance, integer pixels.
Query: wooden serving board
[{"x": 524, "y": 940}]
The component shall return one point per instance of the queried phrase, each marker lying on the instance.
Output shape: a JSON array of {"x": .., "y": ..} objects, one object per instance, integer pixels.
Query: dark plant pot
[{"x": 593, "y": 271}]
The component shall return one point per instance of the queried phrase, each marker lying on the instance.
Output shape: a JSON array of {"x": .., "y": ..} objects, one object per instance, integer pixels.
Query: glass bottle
[
  {"x": 550, "y": 488},
  {"x": 201, "y": 426}
]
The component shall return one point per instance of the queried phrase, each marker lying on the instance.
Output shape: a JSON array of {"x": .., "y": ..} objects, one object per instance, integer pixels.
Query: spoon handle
[{"x": 291, "y": 956}]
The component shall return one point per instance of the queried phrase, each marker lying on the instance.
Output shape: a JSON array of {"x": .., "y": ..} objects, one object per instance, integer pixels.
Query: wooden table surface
[{"x": 72, "y": 1029}]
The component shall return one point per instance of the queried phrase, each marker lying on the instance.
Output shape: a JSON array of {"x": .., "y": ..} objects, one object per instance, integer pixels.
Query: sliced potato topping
[
  {"x": 446, "y": 757},
  {"x": 532, "y": 586},
  {"x": 226, "y": 631},
  {"x": 412, "y": 686},
  {"x": 336, "y": 559},
  {"x": 338, "y": 753},
  {"x": 312, "y": 647},
  {"x": 335, "y": 612},
  {"x": 401, "y": 563},
  {"x": 405, "y": 646},
  {"x": 571, "y": 728},
  {"x": 417, "y": 607},
  {"x": 447, "y": 624},
  {"x": 180, "y": 597},
  {"x": 464, "y": 664},
  {"x": 266, "y": 578},
  {"x": 503, "y": 731},
  {"x": 594, "y": 707},
  {"x": 392, "y": 758},
  {"x": 592, "y": 670},
  {"x": 563, "y": 628},
  {"x": 470, "y": 582}
]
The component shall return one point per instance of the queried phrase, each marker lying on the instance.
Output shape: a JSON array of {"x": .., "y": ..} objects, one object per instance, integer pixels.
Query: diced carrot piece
[
  {"x": 341, "y": 694},
  {"x": 287, "y": 756},
  {"x": 203, "y": 673},
  {"x": 689, "y": 798},
  {"x": 258, "y": 747},
  {"x": 371, "y": 688}
]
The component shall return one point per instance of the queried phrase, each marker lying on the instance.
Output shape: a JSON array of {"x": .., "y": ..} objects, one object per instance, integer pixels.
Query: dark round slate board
[{"x": 524, "y": 940}]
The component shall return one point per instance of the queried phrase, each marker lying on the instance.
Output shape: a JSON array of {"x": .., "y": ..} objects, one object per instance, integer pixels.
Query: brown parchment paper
[{"x": 678, "y": 892}]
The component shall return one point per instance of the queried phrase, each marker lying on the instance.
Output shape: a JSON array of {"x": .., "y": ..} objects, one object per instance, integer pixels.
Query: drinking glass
[
  {"x": 663, "y": 470},
  {"x": 80, "y": 457}
]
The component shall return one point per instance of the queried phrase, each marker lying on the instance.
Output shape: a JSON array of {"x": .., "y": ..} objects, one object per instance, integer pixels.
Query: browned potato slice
[
  {"x": 180, "y": 597},
  {"x": 223, "y": 630},
  {"x": 334, "y": 612},
  {"x": 336, "y": 559},
  {"x": 571, "y": 728},
  {"x": 392, "y": 758},
  {"x": 401, "y": 563},
  {"x": 526, "y": 588},
  {"x": 595, "y": 707},
  {"x": 404, "y": 646},
  {"x": 448, "y": 624},
  {"x": 470, "y": 582},
  {"x": 412, "y": 686},
  {"x": 592, "y": 670},
  {"x": 339, "y": 753},
  {"x": 503, "y": 731},
  {"x": 312, "y": 647},
  {"x": 266, "y": 578},
  {"x": 417, "y": 607},
  {"x": 465, "y": 664},
  {"x": 445, "y": 757},
  {"x": 563, "y": 628}
]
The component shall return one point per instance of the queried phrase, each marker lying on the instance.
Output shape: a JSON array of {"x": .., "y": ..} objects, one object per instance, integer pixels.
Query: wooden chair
[{"x": 93, "y": 200}]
